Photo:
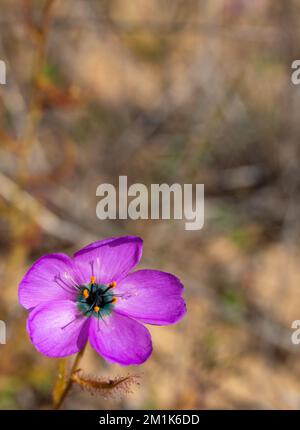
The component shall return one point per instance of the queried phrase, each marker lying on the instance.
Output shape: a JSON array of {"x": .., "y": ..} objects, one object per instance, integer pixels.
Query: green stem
[{"x": 58, "y": 403}]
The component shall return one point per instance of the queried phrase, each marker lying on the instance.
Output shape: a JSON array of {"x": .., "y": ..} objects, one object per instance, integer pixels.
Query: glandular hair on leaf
[{"x": 111, "y": 386}]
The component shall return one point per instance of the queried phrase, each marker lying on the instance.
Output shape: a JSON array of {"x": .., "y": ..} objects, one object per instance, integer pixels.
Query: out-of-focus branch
[
  {"x": 44, "y": 218},
  {"x": 39, "y": 35}
]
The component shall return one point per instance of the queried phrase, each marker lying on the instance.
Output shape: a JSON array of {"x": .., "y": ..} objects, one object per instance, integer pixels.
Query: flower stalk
[{"x": 63, "y": 385}]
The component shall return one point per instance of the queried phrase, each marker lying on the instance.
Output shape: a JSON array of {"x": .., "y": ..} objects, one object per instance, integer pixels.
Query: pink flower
[{"x": 94, "y": 296}]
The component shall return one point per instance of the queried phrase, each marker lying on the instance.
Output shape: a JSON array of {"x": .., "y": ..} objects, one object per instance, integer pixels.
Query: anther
[
  {"x": 114, "y": 300},
  {"x": 93, "y": 280},
  {"x": 96, "y": 309},
  {"x": 113, "y": 284},
  {"x": 86, "y": 293}
]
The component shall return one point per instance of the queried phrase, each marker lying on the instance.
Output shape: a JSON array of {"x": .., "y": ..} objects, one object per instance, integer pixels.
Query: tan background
[{"x": 162, "y": 91}]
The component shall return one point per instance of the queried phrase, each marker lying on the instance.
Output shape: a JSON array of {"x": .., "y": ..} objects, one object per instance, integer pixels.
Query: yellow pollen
[
  {"x": 86, "y": 293},
  {"x": 96, "y": 309},
  {"x": 114, "y": 300},
  {"x": 113, "y": 284},
  {"x": 93, "y": 280}
]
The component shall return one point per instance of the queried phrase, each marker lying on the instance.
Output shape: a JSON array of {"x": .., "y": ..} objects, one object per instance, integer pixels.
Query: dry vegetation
[{"x": 169, "y": 91}]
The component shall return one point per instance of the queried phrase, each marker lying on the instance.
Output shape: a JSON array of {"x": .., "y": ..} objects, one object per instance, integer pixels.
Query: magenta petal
[
  {"x": 96, "y": 244},
  {"x": 57, "y": 329},
  {"x": 120, "y": 339},
  {"x": 152, "y": 297},
  {"x": 40, "y": 284},
  {"x": 108, "y": 260}
]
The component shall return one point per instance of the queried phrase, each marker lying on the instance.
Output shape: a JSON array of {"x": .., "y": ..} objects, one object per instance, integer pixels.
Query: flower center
[{"x": 96, "y": 299}]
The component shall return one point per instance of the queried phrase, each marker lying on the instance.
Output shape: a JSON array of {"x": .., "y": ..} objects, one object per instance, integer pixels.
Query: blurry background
[{"x": 187, "y": 91}]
